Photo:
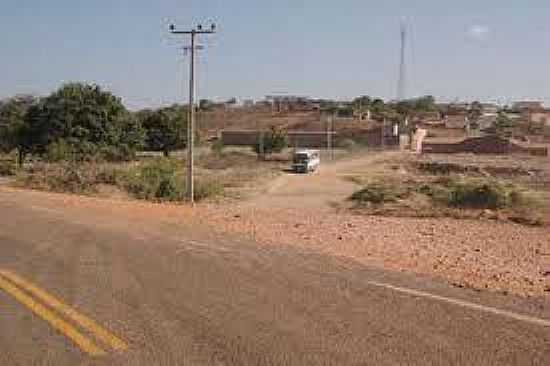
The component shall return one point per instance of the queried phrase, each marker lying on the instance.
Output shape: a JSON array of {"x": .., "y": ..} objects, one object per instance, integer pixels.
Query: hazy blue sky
[{"x": 458, "y": 49}]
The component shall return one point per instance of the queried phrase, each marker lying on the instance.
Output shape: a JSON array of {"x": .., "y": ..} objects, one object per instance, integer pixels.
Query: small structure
[
  {"x": 525, "y": 106},
  {"x": 541, "y": 117}
]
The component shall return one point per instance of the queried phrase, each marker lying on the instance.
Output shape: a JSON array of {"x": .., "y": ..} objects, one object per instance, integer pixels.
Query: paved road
[{"x": 147, "y": 292}]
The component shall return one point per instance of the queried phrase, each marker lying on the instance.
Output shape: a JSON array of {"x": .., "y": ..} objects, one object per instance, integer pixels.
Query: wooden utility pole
[{"x": 191, "y": 123}]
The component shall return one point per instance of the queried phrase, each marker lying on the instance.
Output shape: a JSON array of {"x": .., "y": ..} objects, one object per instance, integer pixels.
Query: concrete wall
[
  {"x": 316, "y": 139},
  {"x": 295, "y": 139}
]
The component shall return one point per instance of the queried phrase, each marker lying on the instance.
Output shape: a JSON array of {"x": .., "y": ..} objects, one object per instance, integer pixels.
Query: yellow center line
[
  {"x": 98, "y": 331},
  {"x": 57, "y": 323}
]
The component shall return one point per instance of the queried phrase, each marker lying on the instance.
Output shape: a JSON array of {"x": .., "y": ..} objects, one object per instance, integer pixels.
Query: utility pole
[
  {"x": 330, "y": 128},
  {"x": 401, "y": 84},
  {"x": 191, "y": 124}
]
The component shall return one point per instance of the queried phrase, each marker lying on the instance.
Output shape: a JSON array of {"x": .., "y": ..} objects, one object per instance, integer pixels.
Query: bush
[
  {"x": 347, "y": 144},
  {"x": 483, "y": 195},
  {"x": 161, "y": 180},
  {"x": 67, "y": 177},
  {"x": 154, "y": 180},
  {"x": 207, "y": 189},
  {"x": 379, "y": 193},
  {"x": 59, "y": 151},
  {"x": 479, "y": 194},
  {"x": 117, "y": 153},
  {"x": 7, "y": 167},
  {"x": 274, "y": 141}
]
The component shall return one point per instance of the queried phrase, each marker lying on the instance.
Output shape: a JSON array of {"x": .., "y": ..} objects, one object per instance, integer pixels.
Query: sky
[{"x": 491, "y": 50}]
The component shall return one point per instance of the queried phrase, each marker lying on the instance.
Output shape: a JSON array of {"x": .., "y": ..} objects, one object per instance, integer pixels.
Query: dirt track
[
  {"x": 319, "y": 190},
  {"x": 297, "y": 210}
]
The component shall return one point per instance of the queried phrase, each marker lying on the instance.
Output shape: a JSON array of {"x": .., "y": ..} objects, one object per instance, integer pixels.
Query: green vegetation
[
  {"x": 166, "y": 129},
  {"x": 163, "y": 180},
  {"x": 77, "y": 122},
  {"x": 14, "y": 133},
  {"x": 71, "y": 177},
  {"x": 444, "y": 192},
  {"x": 379, "y": 193},
  {"x": 155, "y": 180},
  {"x": 7, "y": 167},
  {"x": 274, "y": 141},
  {"x": 473, "y": 193},
  {"x": 503, "y": 125}
]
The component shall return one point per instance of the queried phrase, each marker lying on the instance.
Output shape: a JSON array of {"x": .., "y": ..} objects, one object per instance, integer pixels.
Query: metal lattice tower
[{"x": 401, "y": 85}]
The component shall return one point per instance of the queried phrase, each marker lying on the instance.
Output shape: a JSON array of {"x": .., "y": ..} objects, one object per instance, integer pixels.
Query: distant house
[
  {"x": 527, "y": 106},
  {"x": 456, "y": 121},
  {"x": 248, "y": 103},
  {"x": 294, "y": 103},
  {"x": 539, "y": 117}
]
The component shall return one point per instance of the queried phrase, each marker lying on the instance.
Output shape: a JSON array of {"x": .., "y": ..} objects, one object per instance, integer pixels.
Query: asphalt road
[{"x": 146, "y": 292}]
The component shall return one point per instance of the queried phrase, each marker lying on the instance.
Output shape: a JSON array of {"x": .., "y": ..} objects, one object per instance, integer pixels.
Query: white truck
[{"x": 306, "y": 161}]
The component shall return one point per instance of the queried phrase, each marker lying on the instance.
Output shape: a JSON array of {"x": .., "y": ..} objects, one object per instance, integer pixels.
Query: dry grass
[
  {"x": 490, "y": 187},
  {"x": 218, "y": 176}
]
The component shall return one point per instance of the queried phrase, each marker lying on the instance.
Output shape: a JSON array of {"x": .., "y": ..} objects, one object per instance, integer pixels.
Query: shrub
[
  {"x": 122, "y": 152},
  {"x": 379, "y": 193},
  {"x": 161, "y": 180},
  {"x": 274, "y": 141},
  {"x": 7, "y": 167},
  {"x": 59, "y": 151},
  {"x": 67, "y": 177},
  {"x": 480, "y": 194},
  {"x": 154, "y": 180},
  {"x": 207, "y": 189}
]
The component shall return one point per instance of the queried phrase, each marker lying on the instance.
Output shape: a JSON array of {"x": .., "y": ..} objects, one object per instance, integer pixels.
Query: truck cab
[{"x": 306, "y": 161}]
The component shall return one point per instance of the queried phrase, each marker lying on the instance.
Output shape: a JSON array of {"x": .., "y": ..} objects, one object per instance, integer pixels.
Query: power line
[{"x": 191, "y": 125}]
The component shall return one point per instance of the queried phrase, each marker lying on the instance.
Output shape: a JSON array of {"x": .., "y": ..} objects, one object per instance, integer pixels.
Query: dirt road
[
  {"x": 319, "y": 190},
  {"x": 175, "y": 293},
  {"x": 296, "y": 210}
]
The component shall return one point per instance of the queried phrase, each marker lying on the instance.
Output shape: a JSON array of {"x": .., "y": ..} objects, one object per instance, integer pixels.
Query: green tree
[
  {"x": 361, "y": 103},
  {"x": 378, "y": 108},
  {"x": 475, "y": 112},
  {"x": 425, "y": 104},
  {"x": 503, "y": 125},
  {"x": 165, "y": 129},
  {"x": 85, "y": 119},
  {"x": 13, "y": 125},
  {"x": 274, "y": 141},
  {"x": 414, "y": 106}
]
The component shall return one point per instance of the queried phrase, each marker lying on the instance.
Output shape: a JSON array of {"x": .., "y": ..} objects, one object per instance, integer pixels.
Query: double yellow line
[{"x": 24, "y": 291}]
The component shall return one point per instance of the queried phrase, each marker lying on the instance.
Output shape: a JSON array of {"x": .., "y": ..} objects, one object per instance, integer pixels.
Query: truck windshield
[{"x": 301, "y": 158}]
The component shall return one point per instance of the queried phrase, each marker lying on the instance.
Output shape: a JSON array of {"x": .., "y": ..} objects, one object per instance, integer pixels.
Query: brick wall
[
  {"x": 483, "y": 145},
  {"x": 315, "y": 139}
]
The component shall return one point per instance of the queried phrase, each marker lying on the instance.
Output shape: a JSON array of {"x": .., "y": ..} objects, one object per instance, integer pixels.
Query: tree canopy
[
  {"x": 165, "y": 128},
  {"x": 13, "y": 124},
  {"x": 77, "y": 121}
]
